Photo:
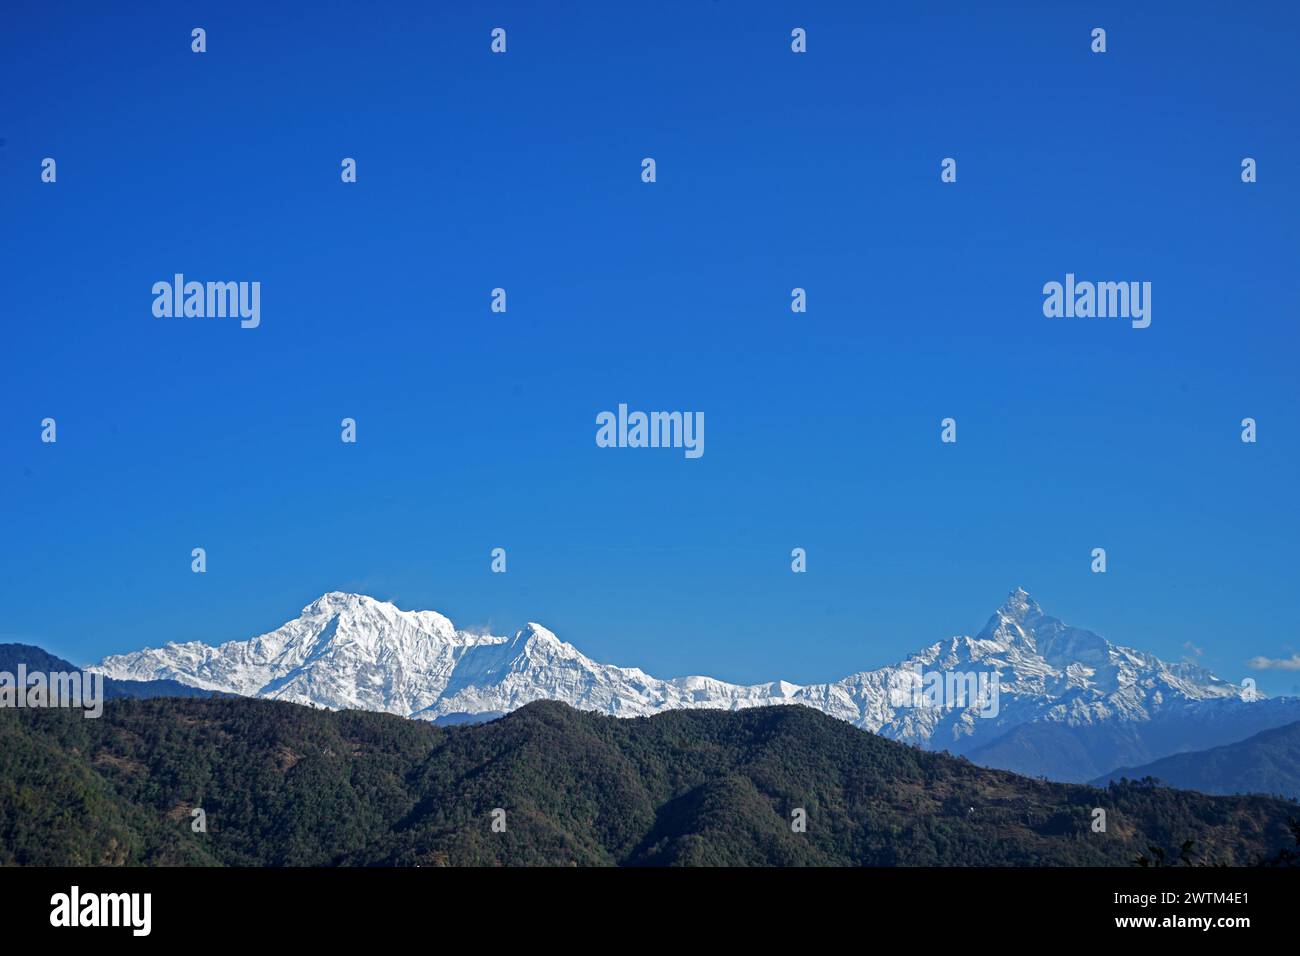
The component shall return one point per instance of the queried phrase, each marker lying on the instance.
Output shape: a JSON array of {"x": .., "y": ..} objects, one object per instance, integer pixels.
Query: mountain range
[{"x": 1070, "y": 704}]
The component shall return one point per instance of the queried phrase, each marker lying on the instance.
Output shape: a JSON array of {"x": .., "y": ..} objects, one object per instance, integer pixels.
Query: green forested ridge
[{"x": 289, "y": 785}]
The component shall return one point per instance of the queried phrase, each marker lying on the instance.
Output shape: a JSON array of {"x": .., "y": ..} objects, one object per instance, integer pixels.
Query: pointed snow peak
[
  {"x": 536, "y": 643},
  {"x": 1015, "y": 620},
  {"x": 534, "y": 633},
  {"x": 1019, "y": 606}
]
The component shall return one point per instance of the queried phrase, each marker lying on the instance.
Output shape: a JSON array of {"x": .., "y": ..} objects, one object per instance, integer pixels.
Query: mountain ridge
[{"x": 1267, "y": 763}]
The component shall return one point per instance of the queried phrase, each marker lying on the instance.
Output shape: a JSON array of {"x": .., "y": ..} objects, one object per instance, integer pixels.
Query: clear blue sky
[{"x": 477, "y": 430}]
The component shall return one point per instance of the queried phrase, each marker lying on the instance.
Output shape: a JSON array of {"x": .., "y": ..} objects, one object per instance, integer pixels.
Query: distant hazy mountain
[
  {"x": 1084, "y": 752},
  {"x": 282, "y": 785},
  {"x": 1268, "y": 762},
  {"x": 349, "y": 651},
  {"x": 36, "y": 659}
]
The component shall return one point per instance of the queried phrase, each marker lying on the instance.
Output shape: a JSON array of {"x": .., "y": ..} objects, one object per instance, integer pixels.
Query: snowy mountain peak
[
  {"x": 334, "y": 599},
  {"x": 534, "y": 642},
  {"x": 1016, "y": 621},
  {"x": 338, "y": 602},
  {"x": 383, "y": 618},
  {"x": 1020, "y": 605},
  {"x": 534, "y": 631}
]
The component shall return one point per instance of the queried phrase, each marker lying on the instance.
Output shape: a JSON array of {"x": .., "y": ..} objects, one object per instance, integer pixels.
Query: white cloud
[{"x": 1291, "y": 663}]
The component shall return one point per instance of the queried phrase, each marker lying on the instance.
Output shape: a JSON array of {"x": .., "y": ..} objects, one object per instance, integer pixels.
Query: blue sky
[{"x": 775, "y": 170}]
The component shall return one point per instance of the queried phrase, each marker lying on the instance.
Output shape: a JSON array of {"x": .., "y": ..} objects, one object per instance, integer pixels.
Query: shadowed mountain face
[
  {"x": 1268, "y": 762},
  {"x": 281, "y": 784},
  {"x": 1070, "y": 704}
]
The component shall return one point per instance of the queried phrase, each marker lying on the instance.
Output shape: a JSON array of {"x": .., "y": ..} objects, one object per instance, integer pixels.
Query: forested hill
[{"x": 281, "y": 784}]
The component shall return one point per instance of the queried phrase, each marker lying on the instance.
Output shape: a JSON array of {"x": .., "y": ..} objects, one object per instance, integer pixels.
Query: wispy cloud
[{"x": 1291, "y": 663}]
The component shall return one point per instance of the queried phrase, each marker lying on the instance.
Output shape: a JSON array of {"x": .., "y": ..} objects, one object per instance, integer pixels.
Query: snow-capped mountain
[{"x": 352, "y": 651}]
